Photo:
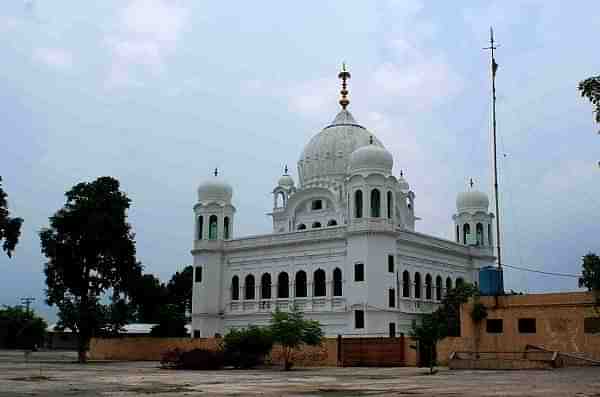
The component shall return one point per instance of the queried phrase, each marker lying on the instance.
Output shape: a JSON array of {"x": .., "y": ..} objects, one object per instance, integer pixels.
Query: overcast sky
[{"x": 157, "y": 93}]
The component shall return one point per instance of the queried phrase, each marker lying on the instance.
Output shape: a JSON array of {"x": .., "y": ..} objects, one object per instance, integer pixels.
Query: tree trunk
[{"x": 81, "y": 349}]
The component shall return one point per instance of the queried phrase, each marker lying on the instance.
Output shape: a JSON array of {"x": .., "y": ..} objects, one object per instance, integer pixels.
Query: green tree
[
  {"x": 428, "y": 333},
  {"x": 247, "y": 348},
  {"x": 590, "y": 274},
  {"x": 90, "y": 249},
  {"x": 10, "y": 228},
  {"x": 171, "y": 323},
  {"x": 590, "y": 89},
  {"x": 291, "y": 330},
  {"x": 148, "y": 295},
  {"x": 443, "y": 322},
  {"x": 21, "y": 329},
  {"x": 179, "y": 290}
]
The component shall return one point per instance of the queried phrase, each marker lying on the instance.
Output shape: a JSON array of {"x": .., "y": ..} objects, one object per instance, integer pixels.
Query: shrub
[
  {"x": 171, "y": 358},
  {"x": 201, "y": 359},
  {"x": 247, "y": 348}
]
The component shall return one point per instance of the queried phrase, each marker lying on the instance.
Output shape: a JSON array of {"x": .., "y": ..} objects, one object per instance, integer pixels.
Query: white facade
[{"x": 344, "y": 249}]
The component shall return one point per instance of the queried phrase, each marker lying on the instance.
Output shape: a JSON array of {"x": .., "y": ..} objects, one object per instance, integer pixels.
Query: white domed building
[{"x": 343, "y": 250}]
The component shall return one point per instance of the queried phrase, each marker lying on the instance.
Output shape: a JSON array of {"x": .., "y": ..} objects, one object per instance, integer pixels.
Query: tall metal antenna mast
[{"x": 494, "y": 67}]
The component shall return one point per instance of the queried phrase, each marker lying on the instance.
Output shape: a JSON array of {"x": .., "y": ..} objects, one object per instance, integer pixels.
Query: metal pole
[{"x": 494, "y": 67}]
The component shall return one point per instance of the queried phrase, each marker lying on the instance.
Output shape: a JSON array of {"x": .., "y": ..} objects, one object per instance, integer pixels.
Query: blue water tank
[{"x": 491, "y": 281}]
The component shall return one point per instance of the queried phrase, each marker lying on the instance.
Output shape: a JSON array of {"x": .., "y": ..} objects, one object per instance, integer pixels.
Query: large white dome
[
  {"x": 471, "y": 201},
  {"x": 215, "y": 189},
  {"x": 327, "y": 154},
  {"x": 371, "y": 158}
]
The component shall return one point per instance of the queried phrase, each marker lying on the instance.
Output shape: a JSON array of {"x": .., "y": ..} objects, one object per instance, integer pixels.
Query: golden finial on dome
[{"x": 344, "y": 75}]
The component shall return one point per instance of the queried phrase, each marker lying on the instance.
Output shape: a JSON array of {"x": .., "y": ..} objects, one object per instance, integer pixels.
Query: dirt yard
[{"x": 54, "y": 374}]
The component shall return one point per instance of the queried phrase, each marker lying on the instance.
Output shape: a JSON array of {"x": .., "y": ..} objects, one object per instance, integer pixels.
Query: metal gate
[{"x": 371, "y": 352}]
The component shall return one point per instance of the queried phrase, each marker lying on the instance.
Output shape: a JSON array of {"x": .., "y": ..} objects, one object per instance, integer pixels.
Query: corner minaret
[
  {"x": 472, "y": 221},
  {"x": 214, "y": 224}
]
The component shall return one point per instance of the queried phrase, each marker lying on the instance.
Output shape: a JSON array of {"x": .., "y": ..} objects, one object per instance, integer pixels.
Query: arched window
[
  {"x": 226, "y": 228},
  {"x": 390, "y": 204},
  {"x": 280, "y": 200},
  {"x": 490, "y": 240},
  {"x": 459, "y": 282},
  {"x": 337, "y": 282},
  {"x": 479, "y": 233},
  {"x": 283, "y": 285},
  {"x": 448, "y": 285},
  {"x": 301, "y": 284},
  {"x": 200, "y": 227},
  {"x": 406, "y": 284},
  {"x": 265, "y": 286},
  {"x": 466, "y": 232},
  {"x": 301, "y": 226},
  {"x": 319, "y": 283},
  {"x": 375, "y": 203},
  {"x": 418, "y": 285},
  {"x": 457, "y": 234},
  {"x": 316, "y": 225},
  {"x": 438, "y": 288},
  {"x": 235, "y": 288},
  {"x": 428, "y": 287},
  {"x": 332, "y": 222},
  {"x": 358, "y": 204},
  {"x": 249, "y": 292},
  {"x": 212, "y": 227}
]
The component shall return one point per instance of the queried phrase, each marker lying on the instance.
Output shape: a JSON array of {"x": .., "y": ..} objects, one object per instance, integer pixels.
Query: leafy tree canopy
[
  {"x": 171, "y": 323},
  {"x": 291, "y": 330},
  {"x": 590, "y": 89},
  {"x": 179, "y": 290},
  {"x": 21, "y": 329},
  {"x": 90, "y": 249},
  {"x": 443, "y": 322},
  {"x": 147, "y": 296},
  {"x": 10, "y": 228},
  {"x": 590, "y": 277}
]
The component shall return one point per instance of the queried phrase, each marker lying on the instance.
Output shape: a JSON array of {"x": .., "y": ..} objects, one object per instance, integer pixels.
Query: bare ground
[{"x": 54, "y": 374}]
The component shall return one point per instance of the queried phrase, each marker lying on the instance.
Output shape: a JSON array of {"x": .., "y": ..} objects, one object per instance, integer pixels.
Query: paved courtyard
[{"x": 54, "y": 374}]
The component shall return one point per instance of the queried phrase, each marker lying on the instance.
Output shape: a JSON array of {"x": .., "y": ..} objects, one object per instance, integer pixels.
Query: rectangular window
[
  {"x": 359, "y": 272},
  {"x": 494, "y": 326},
  {"x": 392, "y": 297},
  {"x": 392, "y": 330},
  {"x": 591, "y": 325},
  {"x": 198, "y": 274},
  {"x": 317, "y": 204},
  {"x": 359, "y": 319},
  {"x": 196, "y": 334},
  {"x": 527, "y": 325},
  {"x": 391, "y": 263}
]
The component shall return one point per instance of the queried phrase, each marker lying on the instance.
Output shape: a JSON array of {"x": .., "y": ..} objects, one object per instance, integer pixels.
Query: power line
[{"x": 525, "y": 269}]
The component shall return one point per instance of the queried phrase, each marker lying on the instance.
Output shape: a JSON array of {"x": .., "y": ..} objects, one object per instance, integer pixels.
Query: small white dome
[
  {"x": 402, "y": 183},
  {"x": 371, "y": 157},
  {"x": 215, "y": 189},
  {"x": 472, "y": 200},
  {"x": 286, "y": 181}
]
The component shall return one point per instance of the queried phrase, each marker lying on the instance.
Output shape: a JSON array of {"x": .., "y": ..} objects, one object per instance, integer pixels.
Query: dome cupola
[
  {"x": 215, "y": 189},
  {"x": 327, "y": 154},
  {"x": 472, "y": 200},
  {"x": 286, "y": 181},
  {"x": 371, "y": 158},
  {"x": 402, "y": 182}
]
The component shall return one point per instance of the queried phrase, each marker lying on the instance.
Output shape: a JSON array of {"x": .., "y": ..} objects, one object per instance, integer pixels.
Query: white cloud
[
  {"x": 147, "y": 33},
  {"x": 58, "y": 58}
]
